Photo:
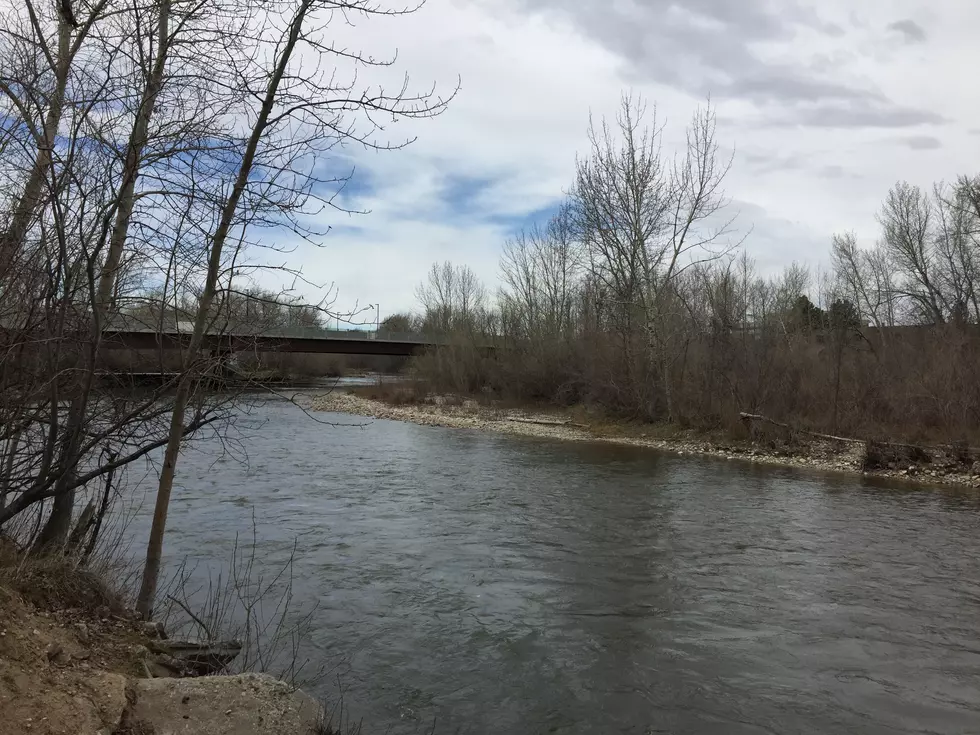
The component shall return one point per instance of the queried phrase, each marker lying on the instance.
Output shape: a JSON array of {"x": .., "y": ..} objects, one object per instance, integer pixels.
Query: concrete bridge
[{"x": 134, "y": 334}]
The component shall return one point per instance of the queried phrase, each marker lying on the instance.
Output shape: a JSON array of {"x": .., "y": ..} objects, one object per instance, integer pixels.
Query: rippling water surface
[{"x": 509, "y": 585}]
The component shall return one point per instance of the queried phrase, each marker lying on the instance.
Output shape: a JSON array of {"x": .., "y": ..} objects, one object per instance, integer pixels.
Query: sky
[{"x": 824, "y": 104}]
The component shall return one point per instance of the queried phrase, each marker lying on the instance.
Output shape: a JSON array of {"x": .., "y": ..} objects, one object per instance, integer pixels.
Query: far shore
[{"x": 815, "y": 455}]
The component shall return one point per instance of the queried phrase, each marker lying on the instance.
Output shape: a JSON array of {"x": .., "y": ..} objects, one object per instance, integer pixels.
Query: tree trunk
[
  {"x": 134, "y": 153},
  {"x": 838, "y": 360},
  {"x": 55, "y": 531},
  {"x": 59, "y": 523},
  {"x": 20, "y": 219},
  {"x": 100, "y": 513},
  {"x": 154, "y": 547},
  {"x": 12, "y": 447}
]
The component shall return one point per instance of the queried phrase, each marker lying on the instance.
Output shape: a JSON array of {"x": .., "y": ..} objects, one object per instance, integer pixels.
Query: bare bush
[
  {"x": 246, "y": 603},
  {"x": 635, "y": 299}
]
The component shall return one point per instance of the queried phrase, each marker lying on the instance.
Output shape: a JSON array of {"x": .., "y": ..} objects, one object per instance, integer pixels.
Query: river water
[{"x": 503, "y": 584}]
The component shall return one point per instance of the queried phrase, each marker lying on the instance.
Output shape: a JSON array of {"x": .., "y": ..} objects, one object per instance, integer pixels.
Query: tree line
[
  {"x": 150, "y": 150},
  {"x": 637, "y": 297}
]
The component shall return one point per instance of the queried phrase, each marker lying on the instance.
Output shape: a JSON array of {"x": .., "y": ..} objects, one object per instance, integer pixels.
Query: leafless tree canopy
[
  {"x": 636, "y": 298},
  {"x": 149, "y": 151}
]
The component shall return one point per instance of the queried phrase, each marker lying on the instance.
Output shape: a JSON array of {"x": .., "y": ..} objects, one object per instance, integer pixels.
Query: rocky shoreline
[
  {"x": 821, "y": 455},
  {"x": 89, "y": 670}
]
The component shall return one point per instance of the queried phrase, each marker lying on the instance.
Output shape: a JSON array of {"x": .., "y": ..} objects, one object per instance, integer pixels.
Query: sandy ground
[{"x": 818, "y": 455}]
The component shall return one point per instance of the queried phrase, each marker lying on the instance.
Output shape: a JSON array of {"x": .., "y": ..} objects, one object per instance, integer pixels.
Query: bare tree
[
  {"x": 137, "y": 44},
  {"x": 41, "y": 45},
  {"x": 298, "y": 115},
  {"x": 453, "y": 300},
  {"x": 865, "y": 279},
  {"x": 520, "y": 273},
  {"x": 645, "y": 220},
  {"x": 147, "y": 148},
  {"x": 957, "y": 247},
  {"x": 906, "y": 221}
]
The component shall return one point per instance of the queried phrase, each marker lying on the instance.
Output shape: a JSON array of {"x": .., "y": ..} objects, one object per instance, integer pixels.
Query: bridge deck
[{"x": 323, "y": 343}]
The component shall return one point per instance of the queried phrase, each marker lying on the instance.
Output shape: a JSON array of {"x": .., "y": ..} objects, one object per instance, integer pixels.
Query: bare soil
[
  {"x": 63, "y": 671},
  {"x": 74, "y": 662}
]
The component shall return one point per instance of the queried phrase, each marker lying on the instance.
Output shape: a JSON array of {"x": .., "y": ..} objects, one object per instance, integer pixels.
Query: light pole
[{"x": 377, "y": 319}]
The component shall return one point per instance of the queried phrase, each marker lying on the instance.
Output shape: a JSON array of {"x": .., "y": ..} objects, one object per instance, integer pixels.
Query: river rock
[{"x": 247, "y": 704}]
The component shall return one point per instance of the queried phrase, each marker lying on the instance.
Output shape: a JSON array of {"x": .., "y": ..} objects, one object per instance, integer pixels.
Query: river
[{"x": 501, "y": 584}]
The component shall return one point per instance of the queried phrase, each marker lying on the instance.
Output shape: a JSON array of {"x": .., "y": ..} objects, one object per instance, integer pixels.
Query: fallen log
[
  {"x": 545, "y": 422},
  {"x": 747, "y": 417},
  {"x": 195, "y": 658}
]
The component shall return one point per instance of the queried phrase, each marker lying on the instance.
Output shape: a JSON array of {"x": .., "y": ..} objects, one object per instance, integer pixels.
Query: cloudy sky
[{"x": 826, "y": 104}]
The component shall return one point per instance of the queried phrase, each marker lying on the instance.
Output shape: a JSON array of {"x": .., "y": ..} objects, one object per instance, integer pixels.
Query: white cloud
[{"x": 805, "y": 101}]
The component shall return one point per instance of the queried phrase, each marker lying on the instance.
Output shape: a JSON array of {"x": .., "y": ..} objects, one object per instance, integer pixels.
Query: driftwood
[
  {"x": 195, "y": 658},
  {"x": 749, "y": 417},
  {"x": 546, "y": 422}
]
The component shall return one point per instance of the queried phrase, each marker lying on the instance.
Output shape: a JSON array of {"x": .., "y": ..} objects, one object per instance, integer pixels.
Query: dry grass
[
  {"x": 393, "y": 394},
  {"x": 55, "y": 582},
  {"x": 406, "y": 393}
]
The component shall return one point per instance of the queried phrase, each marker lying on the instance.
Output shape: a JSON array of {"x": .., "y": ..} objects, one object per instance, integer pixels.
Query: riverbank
[
  {"x": 809, "y": 453},
  {"x": 74, "y": 661}
]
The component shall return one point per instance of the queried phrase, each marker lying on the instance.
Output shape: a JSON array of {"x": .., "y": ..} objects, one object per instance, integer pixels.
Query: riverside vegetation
[{"x": 637, "y": 303}]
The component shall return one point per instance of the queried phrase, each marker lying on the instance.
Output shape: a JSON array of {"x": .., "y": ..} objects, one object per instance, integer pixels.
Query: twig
[{"x": 193, "y": 617}]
